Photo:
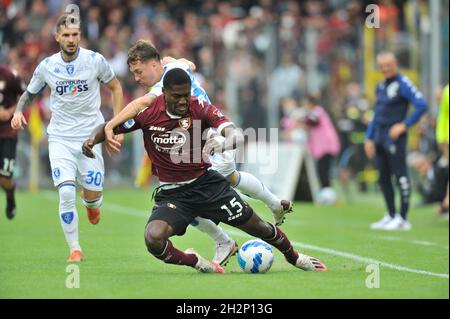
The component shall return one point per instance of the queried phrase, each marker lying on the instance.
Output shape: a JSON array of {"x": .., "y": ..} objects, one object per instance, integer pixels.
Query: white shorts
[
  {"x": 68, "y": 163},
  {"x": 224, "y": 163}
]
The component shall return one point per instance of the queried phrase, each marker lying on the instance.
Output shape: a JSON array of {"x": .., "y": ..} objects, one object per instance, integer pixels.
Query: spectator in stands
[{"x": 323, "y": 140}]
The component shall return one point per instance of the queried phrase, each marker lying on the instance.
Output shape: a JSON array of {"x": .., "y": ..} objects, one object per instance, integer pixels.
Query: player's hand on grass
[
  {"x": 87, "y": 148},
  {"x": 18, "y": 121},
  {"x": 369, "y": 148},
  {"x": 397, "y": 130}
]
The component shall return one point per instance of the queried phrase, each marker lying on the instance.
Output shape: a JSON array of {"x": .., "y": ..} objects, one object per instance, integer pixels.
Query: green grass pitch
[{"x": 33, "y": 254}]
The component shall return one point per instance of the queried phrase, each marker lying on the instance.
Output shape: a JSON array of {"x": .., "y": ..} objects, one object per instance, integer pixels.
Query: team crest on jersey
[
  {"x": 70, "y": 68},
  {"x": 185, "y": 123},
  {"x": 392, "y": 89}
]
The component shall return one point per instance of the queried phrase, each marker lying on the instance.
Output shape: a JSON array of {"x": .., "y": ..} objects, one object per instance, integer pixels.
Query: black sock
[{"x": 10, "y": 192}]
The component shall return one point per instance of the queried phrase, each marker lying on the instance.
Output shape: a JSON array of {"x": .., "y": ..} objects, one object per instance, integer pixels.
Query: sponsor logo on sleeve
[{"x": 128, "y": 124}]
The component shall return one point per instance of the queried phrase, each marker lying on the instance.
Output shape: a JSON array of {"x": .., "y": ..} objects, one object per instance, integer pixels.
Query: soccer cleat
[
  {"x": 397, "y": 223},
  {"x": 309, "y": 263},
  {"x": 381, "y": 223},
  {"x": 204, "y": 265},
  {"x": 224, "y": 251},
  {"x": 75, "y": 256},
  {"x": 93, "y": 215},
  {"x": 278, "y": 215},
  {"x": 10, "y": 208}
]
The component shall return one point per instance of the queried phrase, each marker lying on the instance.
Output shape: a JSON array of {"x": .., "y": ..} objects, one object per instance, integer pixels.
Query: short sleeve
[
  {"x": 37, "y": 82},
  {"x": 105, "y": 71},
  {"x": 215, "y": 118}
]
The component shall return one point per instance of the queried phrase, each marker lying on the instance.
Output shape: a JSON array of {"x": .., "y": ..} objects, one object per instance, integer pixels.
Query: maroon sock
[
  {"x": 10, "y": 192},
  {"x": 171, "y": 255},
  {"x": 282, "y": 243}
]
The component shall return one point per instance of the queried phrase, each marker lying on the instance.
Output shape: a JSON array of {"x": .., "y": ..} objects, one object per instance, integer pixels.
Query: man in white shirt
[{"x": 73, "y": 75}]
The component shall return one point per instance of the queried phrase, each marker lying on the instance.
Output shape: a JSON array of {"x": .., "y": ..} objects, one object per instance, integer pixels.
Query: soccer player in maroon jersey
[
  {"x": 10, "y": 89},
  {"x": 172, "y": 128}
]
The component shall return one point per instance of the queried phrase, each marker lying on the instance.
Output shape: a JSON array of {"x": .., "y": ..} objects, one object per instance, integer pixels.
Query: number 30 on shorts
[{"x": 94, "y": 178}]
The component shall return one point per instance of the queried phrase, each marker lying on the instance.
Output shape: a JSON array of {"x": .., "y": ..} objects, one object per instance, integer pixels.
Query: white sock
[
  {"x": 250, "y": 185},
  {"x": 68, "y": 214},
  {"x": 209, "y": 227}
]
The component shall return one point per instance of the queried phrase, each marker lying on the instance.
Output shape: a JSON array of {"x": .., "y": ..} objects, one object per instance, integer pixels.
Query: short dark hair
[
  {"x": 176, "y": 76},
  {"x": 142, "y": 51},
  {"x": 67, "y": 20}
]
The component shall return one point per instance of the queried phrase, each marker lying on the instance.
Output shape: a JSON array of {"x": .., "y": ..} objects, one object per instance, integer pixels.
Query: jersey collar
[{"x": 71, "y": 61}]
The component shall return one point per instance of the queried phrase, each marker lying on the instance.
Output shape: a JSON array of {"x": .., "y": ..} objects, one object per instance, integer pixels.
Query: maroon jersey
[
  {"x": 10, "y": 89},
  {"x": 175, "y": 144}
]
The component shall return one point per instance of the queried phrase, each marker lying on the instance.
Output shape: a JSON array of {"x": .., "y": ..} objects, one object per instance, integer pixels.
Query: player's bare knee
[
  {"x": 91, "y": 195},
  {"x": 255, "y": 226},
  {"x": 6, "y": 182},
  {"x": 155, "y": 235},
  {"x": 264, "y": 229},
  {"x": 92, "y": 200},
  {"x": 233, "y": 178}
]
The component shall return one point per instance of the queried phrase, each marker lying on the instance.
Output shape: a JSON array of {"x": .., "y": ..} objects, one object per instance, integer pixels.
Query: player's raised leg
[
  {"x": 92, "y": 200},
  {"x": 225, "y": 246},
  {"x": 91, "y": 175},
  {"x": 223, "y": 203},
  {"x": 250, "y": 185}
]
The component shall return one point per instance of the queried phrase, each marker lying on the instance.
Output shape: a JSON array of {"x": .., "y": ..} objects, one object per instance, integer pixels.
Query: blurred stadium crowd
[{"x": 257, "y": 59}]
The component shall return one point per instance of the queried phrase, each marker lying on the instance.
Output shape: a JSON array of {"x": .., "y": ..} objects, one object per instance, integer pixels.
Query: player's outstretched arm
[
  {"x": 129, "y": 111},
  {"x": 18, "y": 121},
  {"x": 97, "y": 136}
]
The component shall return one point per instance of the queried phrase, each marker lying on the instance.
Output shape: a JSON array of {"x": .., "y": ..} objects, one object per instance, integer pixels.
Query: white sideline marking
[
  {"x": 362, "y": 259},
  {"x": 415, "y": 242},
  {"x": 365, "y": 260}
]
